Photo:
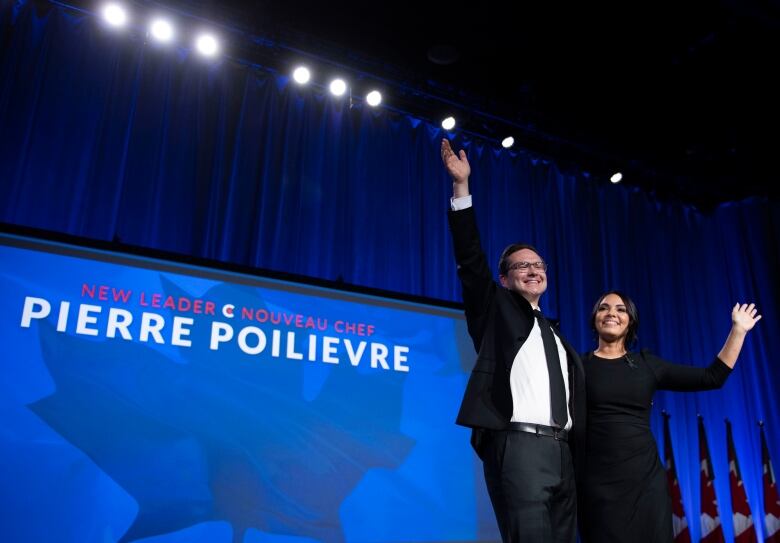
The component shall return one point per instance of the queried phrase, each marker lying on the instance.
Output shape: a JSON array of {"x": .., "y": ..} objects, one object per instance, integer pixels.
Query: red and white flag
[
  {"x": 679, "y": 523},
  {"x": 771, "y": 497},
  {"x": 711, "y": 529},
  {"x": 744, "y": 531}
]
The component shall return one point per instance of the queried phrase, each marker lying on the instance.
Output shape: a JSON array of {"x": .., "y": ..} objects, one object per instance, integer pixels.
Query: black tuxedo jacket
[{"x": 499, "y": 321}]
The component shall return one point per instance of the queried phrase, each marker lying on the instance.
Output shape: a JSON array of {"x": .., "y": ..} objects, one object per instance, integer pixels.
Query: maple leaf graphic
[{"x": 222, "y": 436}]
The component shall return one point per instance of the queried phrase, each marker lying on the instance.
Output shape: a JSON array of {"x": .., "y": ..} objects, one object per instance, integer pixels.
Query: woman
[{"x": 624, "y": 496}]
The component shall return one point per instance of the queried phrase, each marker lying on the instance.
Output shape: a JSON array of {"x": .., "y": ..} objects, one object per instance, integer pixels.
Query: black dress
[{"x": 623, "y": 494}]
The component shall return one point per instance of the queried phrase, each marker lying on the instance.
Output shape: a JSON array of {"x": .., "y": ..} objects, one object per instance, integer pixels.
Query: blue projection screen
[{"x": 148, "y": 400}]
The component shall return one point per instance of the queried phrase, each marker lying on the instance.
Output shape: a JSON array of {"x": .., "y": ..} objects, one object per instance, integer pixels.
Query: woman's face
[{"x": 612, "y": 318}]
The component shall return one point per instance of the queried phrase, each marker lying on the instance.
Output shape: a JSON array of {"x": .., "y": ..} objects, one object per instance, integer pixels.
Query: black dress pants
[{"x": 530, "y": 480}]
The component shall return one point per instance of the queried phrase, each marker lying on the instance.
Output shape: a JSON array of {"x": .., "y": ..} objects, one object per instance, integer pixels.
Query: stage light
[
  {"x": 508, "y": 142},
  {"x": 207, "y": 45},
  {"x": 301, "y": 75},
  {"x": 616, "y": 178},
  {"x": 338, "y": 87},
  {"x": 114, "y": 15},
  {"x": 161, "y": 30},
  {"x": 448, "y": 123},
  {"x": 374, "y": 98}
]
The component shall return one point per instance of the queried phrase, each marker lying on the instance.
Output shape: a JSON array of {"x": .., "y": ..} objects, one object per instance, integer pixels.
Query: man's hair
[
  {"x": 503, "y": 262},
  {"x": 631, "y": 310}
]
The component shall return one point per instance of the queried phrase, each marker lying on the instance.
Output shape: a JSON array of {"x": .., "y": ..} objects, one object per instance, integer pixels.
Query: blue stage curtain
[{"x": 108, "y": 138}]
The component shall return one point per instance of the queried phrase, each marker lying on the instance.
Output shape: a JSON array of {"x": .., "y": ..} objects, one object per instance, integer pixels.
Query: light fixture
[
  {"x": 207, "y": 45},
  {"x": 508, "y": 142},
  {"x": 114, "y": 15},
  {"x": 616, "y": 178},
  {"x": 374, "y": 98},
  {"x": 161, "y": 30},
  {"x": 301, "y": 75},
  {"x": 338, "y": 87}
]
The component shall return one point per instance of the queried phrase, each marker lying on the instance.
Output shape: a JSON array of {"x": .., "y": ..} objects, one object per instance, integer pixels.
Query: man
[{"x": 525, "y": 399}]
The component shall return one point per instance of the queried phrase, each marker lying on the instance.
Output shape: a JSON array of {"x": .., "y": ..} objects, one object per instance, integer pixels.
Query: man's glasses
[{"x": 523, "y": 266}]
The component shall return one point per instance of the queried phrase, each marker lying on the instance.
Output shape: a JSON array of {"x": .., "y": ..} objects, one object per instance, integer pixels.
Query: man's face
[{"x": 530, "y": 282}]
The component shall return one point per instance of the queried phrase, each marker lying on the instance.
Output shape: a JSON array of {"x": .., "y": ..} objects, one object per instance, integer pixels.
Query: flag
[
  {"x": 711, "y": 530},
  {"x": 771, "y": 497},
  {"x": 679, "y": 523},
  {"x": 744, "y": 531}
]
